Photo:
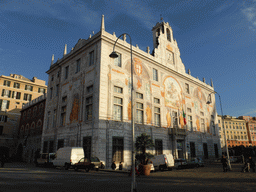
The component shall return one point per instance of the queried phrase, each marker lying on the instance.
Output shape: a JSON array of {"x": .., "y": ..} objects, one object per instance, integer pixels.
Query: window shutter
[
  {"x": 31, "y": 88},
  {"x": 3, "y": 92},
  {"x": 5, "y": 119},
  {"x": 1, "y": 103},
  {"x": 9, "y": 94},
  {"x": 25, "y": 87}
]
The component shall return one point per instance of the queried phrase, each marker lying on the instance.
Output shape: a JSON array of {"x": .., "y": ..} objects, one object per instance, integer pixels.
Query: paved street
[{"x": 24, "y": 177}]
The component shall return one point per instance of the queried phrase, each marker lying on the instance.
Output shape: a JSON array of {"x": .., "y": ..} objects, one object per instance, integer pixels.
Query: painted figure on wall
[
  {"x": 75, "y": 109},
  {"x": 197, "y": 124},
  {"x": 173, "y": 93},
  {"x": 129, "y": 108},
  {"x": 169, "y": 119},
  {"x": 181, "y": 120},
  {"x": 148, "y": 114}
]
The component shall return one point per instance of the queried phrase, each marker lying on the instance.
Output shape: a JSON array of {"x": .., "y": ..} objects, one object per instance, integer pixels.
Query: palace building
[{"x": 89, "y": 100}]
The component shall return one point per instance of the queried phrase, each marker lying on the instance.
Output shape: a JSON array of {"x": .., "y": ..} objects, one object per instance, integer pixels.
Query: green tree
[{"x": 143, "y": 142}]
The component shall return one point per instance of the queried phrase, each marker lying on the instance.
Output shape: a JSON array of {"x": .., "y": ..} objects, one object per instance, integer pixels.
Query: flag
[{"x": 184, "y": 117}]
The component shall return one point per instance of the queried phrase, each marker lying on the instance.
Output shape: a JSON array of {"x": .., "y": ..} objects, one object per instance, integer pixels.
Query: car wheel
[
  {"x": 169, "y": 169},
  {"x": 161, "y": 168},
  {"x": 102, "y": 166},
  {"x": 66, "y": 166},
  {"x": 87, "y": 169},
  {"x": 76, "y": 168}
]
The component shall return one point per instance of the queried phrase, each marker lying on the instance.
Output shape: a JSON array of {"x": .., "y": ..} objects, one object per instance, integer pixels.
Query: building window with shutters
[
  {"x": 118, "y": 149},
  {"x": 29, "y": 87},
  {"x": 78, "y": 63},
  {"x": 190, "y": 123},
  {"x": 3, "y": 118},
  {"x": 66, "y": 72},
  {"x": 187, "y": 88},
  {"x": 155, "y": 75},
  {"x": 6, "y": 93},
  {"x": 88, "y": 108},
  {"x": 91, "y": 58},
  {"x": 158, "y": 147},
  {"x": 117, "y": 61},
  {"x": 63, "y": 115},
  {"x": 4, "y": 104},
  {"x": 139, "y": 112},
  {"x": 7, "y": 83},
  {"x": 16, "y": 85},
  {"x": 118, "y": 109},
  {"x": 157, "y": 116}
]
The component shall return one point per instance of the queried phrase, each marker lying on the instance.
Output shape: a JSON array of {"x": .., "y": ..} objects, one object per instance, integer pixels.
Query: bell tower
[{"x": 166, "y": 48}]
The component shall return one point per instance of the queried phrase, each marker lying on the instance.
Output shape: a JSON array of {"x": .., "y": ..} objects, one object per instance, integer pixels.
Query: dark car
[{"x": 88, "y": 164}]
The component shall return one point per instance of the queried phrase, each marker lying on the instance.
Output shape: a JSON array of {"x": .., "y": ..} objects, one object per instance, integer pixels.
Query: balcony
[{"x": 177, "y": 131}]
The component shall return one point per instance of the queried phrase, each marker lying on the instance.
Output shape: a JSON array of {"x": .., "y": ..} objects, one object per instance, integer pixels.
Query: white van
[
  {"x": 68, "y": 156},
  {"x": 164, "y": 161}
]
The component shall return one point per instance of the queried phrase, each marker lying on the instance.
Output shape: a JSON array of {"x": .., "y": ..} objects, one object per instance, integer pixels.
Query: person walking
[
  {"x": 252, "y": 164},
  {"x": 113, "y": 165},
  {"x": 246, "y": 167},
  {"x": 224, "y": 163}
]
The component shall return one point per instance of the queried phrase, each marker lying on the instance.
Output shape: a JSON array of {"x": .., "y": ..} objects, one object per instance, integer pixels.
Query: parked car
[
  {"x": 68, "y": 156},
  {"x": 163, "y": 161},
  {"x": 196, "y": 162},
  {"x": 45, "y": 159},
  {"x": 180, "y": 163},
  {"x": 88, "y": 164}
]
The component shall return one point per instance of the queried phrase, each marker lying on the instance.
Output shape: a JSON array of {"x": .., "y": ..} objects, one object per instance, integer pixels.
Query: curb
[{"x": 114, "y": 171}]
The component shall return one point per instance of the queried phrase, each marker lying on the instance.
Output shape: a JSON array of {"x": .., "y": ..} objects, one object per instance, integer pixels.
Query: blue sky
[{"x": 217, "y": 39}]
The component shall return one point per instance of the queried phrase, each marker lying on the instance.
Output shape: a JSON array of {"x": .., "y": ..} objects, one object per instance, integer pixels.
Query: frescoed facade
[{"x": 92, "y": 100}]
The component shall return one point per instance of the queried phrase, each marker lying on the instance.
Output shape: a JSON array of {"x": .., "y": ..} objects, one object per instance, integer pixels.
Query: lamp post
[
  {"x": 114, "y": 55},
  {"x": 225, "y": 136}
]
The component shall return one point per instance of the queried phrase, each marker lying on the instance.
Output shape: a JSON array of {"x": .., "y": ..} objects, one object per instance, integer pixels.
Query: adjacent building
[
  {"x": 30, "y": 129},
  {"x": 15, "y": 92},
  {"x": 236, "y": 131},
  {"x": 89, "y": 100},
  {"x": 251, "y": 129}
]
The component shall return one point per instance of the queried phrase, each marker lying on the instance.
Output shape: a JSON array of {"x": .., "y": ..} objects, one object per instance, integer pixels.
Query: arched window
[
  {"x": 168, "y": 34},
  {"x": 26, "y": 129},
  {"x": 24, "y": 115},
  {"x": 35, "y": 111},
  {"x": 32, "y": 128},
  {"x": 29, "y": 113},
  {"x": 41, "y": 108},
  {"x": 39, "y": 126}
]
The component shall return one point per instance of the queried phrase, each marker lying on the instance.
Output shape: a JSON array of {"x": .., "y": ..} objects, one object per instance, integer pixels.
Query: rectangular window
[
  {"x": 52, "y": 77},
  {"x": 117, "y": 61},
  {"x": 16, "y": 95},
  {"x": 213, "y": 128},
  {"x": 3, "y": 118},
  {"x": 139, "y": 112},
  {"x": 139, "y": 95},
  {"x": 41, "y": 90},
  {"x": 29, "y": 87},
  {"x": 157, "y": 116},
  {"x": 202, "y": 113},
  {"x": 63, "y": 115},
  {"x": 66, "y": 72},
  {"x": 187, "y": 88},
  {"x": 60, "y": 143},
  {"x": 202, "y": 125},
  {"x": 156, "y": 100},
  {"x": 16, "y": 85},
  {"x": 158, "y": 147},
  {"x": 58, "y": 74},
  {"x": 78, "y": 63},
  {"x": 7, "y": 83},
  {"x": 190, "y": 123},
  {"x": 1, "y": 129},
  {"x": 91, "y": 61},
  {"x": 118, "y": 109},
  {"x": 88, "y": 112},
  {"x": 192, "y": 149},
  {"x": 118, "y": 149},
  {"x": 4, "y": 104},
  {"x": 25, "y": 98},
  {"x": 89, "y": 89},
  {"x": 64, "y": 99},
  {"x": 155, "y": 75},
  {"x": 6, "y": 93},
  {"x": 54, "y": 118},
  {"x": 57, "y": 89},
  {"x": 175, "y": 119},
  {"x": 51, "y": 92},
  {"x": 118, "y": 89},
  {"x": 189, "y": 110}
]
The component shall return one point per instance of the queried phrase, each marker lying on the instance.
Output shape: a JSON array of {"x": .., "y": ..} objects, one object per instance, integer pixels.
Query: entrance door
[
  {"x": 205, "y": 151},
  {"x": 192, "y": 149},
  {"x": 216, "y": 151},
  {"x": 180, "y": 148}
]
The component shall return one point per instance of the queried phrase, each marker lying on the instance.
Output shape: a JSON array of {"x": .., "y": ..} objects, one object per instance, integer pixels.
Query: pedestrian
[
  {"x": 224, "y": 163},
  {"x": 246, "y": 167},
  {"x": 252, "y": 164},
  {"x": 120, "y": 166},
  {"x": 113, "y": 165}
]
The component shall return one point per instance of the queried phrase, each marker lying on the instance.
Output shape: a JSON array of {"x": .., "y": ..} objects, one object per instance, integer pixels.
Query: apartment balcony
[{"x": 177, "y": 131}]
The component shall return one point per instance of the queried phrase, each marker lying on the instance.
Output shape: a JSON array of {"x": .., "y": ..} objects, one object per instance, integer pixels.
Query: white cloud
[
  {"x": 224, "y": 7},
  {"x": 250, "y": 13}
]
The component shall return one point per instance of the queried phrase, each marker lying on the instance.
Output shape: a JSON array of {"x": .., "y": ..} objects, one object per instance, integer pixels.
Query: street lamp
[
  {"x": 114, "y": 55},
  {"x": 225, "y": 136}
]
